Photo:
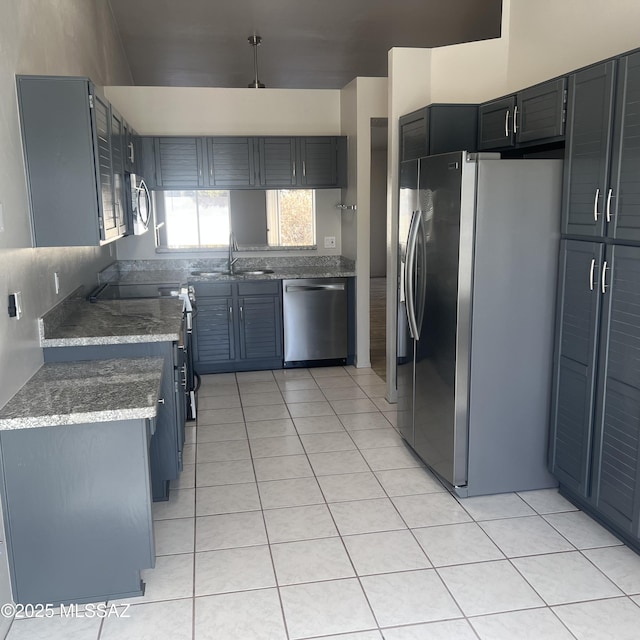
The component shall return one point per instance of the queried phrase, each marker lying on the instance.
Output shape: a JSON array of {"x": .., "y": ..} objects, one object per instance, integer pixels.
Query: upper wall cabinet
[
  {"x": 602, "y": 165},
  {"x": 536, "y": 114},
  {"x": 73, "y": 147},
  {"x": 235, "y": 162},
  {"x": 438, "y": 128}
]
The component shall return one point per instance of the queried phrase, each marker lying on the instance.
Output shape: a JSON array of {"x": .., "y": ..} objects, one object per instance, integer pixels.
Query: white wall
[{"x": 57, "y": 37}]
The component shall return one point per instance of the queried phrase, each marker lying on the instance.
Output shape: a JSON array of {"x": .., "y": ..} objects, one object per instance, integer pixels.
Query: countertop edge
[{"x": 93, "y": 417}]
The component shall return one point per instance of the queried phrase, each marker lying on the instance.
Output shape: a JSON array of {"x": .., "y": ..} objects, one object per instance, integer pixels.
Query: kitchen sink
[{"x": 235, "y": 272}]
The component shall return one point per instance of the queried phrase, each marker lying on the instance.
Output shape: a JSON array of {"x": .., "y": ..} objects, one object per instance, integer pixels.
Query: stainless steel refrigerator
[{"x": 478, "y": 255}]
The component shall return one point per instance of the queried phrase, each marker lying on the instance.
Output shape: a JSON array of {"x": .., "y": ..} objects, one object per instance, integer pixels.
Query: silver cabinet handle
[
  {"x": 304, "y": 169},
  {"x": 294, "y": 170},
  {"x": 609, "y": 195},
  {"x": 132, "y": 157},
  {"x": 515, "y": 120},
  {"x": 506, "y": 124},
  {"x": 160, "y": 400},
  {"x": 604, "y": 277},
  {"x": 241, "y": 314},
  {"x": 230, "y": 313},
  {"x": 595, "y": 205},
  {"x": 591, "y": 271}
]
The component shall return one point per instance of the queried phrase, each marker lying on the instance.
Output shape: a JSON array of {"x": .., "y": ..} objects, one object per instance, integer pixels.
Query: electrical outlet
[
  {"x": 56, "y": 282},
  {"x": 15, "y": 305},
  {"x": 329, "y": 242}
]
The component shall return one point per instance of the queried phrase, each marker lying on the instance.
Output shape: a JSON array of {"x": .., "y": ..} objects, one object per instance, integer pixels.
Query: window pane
[
  {"x": 213, "y": 207},
  {"x": 297, "y": 217}
]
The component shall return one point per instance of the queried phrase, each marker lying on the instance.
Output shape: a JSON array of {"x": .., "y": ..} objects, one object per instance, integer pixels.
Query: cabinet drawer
[
  {"x": 259, "y": 287},
  {"x": 205, "y": 289}
]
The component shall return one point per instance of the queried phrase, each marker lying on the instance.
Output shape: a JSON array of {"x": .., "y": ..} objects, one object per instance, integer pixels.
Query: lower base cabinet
[
  {"x": 595, "y": 438},
  {"x": 77, "y": 510},
  {"x": 238, "y": 326},
  {"x": 168, "y": 440}
]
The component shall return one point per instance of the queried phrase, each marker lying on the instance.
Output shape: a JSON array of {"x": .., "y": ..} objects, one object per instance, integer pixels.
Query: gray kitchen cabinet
[
  {"x": 232, "y": 162},
  {"x": 277, "y": 158},
  {"x": 535, "y": 114},
  {"x": 602, "y": 171},
  {"x": 238, "y": 326},
  {"x": 438, "y": 128},
  {"x": 77, "y": 510},
  {"x": 167, "y": 443},
  {"x": 322, "y": 162},
  {"x": 179, "y": 162},
  {"x": 595, "y": 437},
  {"x": 73, "y": 159}
]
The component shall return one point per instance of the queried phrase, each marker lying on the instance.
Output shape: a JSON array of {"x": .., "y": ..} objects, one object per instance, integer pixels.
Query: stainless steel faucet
[{"x": 233, "y": 246}]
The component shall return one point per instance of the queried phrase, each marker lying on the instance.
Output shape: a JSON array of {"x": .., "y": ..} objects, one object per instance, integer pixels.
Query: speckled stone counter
[
  {"x": 86, "y": 392},
  {"x": 80, "y": 323}
]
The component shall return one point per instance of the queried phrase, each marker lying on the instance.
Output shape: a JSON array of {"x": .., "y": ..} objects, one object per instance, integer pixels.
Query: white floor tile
[
  {"x": 311, "y": 561},
  {"x": 457, "y": 544},
  {"x": 266, "y": 412},
  {"x": 531, "y": 624},
  {"x": 489, "y": 587},
  {"x": 303, "y": 395},
  {"x": 189, "y": 454},
  {"x": 399, "y": 457},
  {"x": 230, "y": 530},
  {"x": 171, "y": 579},
  {"x": 240, "y": 569},
  {"x": 297, "y": 492},
  {"x": 504, "y": 505},
  {"x": 186, "y": 480},
  {"x": 318, "y": 424},
  {"x": 447, "y": 630},
  {"x": 261, "y": 399},
  {"x": 324, "y": 442},
  {"x": 208, "y": 403},
  {"x": 380, "y": 402},
  {"x": 337, "y": 382},
  {"x": 352, "y": 486},
  {"x": 385, "y": 552},
  {"x": 181, "y": 504},
  {"x": 368, "y": 380},
  {"x": 209, "y": 474},
  {"x": 171, "y": 620},
  {"x": 324, "y": 608},
  {"x": 581, "y": 530},
  {"x": 366, "y": 516},
  {"x": 525, "y": 536},
  {"x": 297, "y": 384},
  {"x": 299, "y": 523},
  {"x": 58, "y": 628},
  {"x": 328, "y": 372},
  {"x": 376, "y": 438},
  {"x": 221, "y": 390},
  {"x": 190, "y": 433},
  {"x": 409, "y": 598},
  {"x": 222, "y": 433},
  {"x": 357, "y": 421},
  {"x": 353, "y": 406},
  {"x": 580, "y": 580},
  {"x": 273, "y": 447},
  {"x": 257, "y": 387},
  {"x": 231, "y": 498},
  {"x": 220, "y": 416},
  {"x": 337, "y": 462},
  {"x": 359, "y": 635},
  {"x": 254, "y": 376},
  {"x": 252, "y": 614},
  {"x": 174, "y": 536},
  {"x": 430, "y": 509},
  {"x": 271, "y": 428},
  {"x": 618, "y": 619},
  {"x": 310, "y": 409},
  {"x": 291, "y": 374},
  {"x": 346, "y": 393},
  {"x": 223, "y": 451},
  {"x": 406, "y": 482},
  {"x": 392, "y": 417},
  {"x": 282, "y": 468},
  {"x": 619, "y": 564},
  {"x": 546, "y": 501}
]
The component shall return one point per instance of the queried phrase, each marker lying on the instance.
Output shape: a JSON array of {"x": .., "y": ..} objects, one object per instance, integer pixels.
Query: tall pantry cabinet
[{"x": 595, "y": 440}]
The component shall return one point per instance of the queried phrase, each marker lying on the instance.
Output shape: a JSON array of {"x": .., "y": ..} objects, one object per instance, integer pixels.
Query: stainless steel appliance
[
  {"x": 131, "y": 291},
  {"x": 478, "y": 257},
  {"x": 315, "y": 321},
  {"x": 139, "y": 202}
]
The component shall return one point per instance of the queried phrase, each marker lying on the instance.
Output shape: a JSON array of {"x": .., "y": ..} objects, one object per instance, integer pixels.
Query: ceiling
[{"x": 306, "y": 44}]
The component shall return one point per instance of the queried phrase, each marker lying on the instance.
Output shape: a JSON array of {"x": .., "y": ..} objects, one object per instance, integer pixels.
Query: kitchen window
[{"x": 291, "y": 217}]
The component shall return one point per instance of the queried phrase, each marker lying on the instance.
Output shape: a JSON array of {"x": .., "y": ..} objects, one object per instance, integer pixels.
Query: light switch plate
[{"x": 329, "y": 242}]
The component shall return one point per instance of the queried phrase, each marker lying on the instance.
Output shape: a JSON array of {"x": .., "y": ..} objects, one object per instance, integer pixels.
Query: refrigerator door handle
[
  {"x": 421, "y": 294},
  {"x": 409, "y": 273}
]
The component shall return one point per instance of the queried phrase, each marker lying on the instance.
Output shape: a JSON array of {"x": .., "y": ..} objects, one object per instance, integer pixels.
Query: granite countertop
[
  {"x": 82, "y": 323},
  {"x": 80, "y": 392}
]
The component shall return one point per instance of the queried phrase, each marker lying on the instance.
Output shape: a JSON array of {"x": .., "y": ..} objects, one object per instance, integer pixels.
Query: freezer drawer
[{"x": 315, "y": 319}]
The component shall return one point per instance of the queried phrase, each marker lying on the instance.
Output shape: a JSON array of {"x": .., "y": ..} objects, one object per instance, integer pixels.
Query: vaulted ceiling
[{"x": 306, "y": 44}]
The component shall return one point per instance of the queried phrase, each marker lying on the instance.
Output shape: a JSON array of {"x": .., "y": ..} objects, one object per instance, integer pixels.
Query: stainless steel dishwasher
[{"x": 315, "y": 320}]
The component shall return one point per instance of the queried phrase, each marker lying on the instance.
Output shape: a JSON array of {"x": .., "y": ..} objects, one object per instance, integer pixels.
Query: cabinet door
[
  {"x": 540, "y": 111},
  {"x": 109, "y": 227},
  {"x": 231, "y": 162},
  {"x": 118, "y": 160},
  {"x": 260, "y": 327},
  {"x": 589, "y": 118},
  {"x": 622, "y": 205},
  {"x": 414, "y": 129},
  {"x": 574, "y": 376},
  {"x": 179, "y": 163},
  {"x": 277, "y": 162},
  {"x": 213, "y": 333},
  {"x": 495, "y": 124},
  {"x": 617, "y": 472},
  {"x": 130, "y": 149},
  {"x": 318, "y": 164}
]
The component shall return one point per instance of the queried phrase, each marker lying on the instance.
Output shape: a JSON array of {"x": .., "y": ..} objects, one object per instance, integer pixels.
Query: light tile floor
[{"x": 301, "y": 514}]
